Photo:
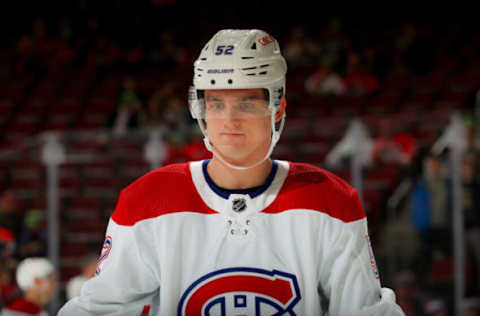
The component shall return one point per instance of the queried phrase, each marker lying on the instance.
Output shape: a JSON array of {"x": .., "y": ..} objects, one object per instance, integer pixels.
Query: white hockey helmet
[
  {"x": 240, "y": 59},
  {"x": 32, "y": 268}
]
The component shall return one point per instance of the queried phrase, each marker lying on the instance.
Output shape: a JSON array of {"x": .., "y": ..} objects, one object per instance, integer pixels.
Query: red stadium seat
[
  {"x": 431, "y": 82},
  {"x": 383, "y": 103}
]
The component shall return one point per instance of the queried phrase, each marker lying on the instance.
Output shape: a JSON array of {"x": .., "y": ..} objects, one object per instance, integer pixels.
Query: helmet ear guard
[{"x": 194, "y": 103}]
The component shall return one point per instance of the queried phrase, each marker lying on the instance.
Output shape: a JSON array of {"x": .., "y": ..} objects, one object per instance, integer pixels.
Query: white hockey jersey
[{"x": 178, "y": 245}]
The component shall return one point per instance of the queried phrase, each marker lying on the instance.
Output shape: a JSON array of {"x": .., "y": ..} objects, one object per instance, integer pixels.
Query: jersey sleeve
[
  {"x": 125, "y": 283},
  {"x": 349, "y": 279}
]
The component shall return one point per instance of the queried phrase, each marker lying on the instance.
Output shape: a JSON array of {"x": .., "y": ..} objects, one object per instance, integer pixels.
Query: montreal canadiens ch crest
[{"x": 241, "y": 291}]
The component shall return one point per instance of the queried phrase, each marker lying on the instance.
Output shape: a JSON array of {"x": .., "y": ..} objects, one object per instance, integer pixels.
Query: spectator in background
[
  {"x": 168, "y": 53},
  {"x": 10, "y": 215},
  {"x": 195, "y": 147},
  {"x": 295, "y": 48},
  {"x": 430, "y": 202},
  {"x": 429, "y": 213},
  {"x": 103, "y": 54},
  {"x": 402, "y": 44},
  {"x": 435, "y": 307},
  {"x": 153, "y": 116},
  {"x": 177, "y": 119},
  {"x": 35, "y": 277},
  {"x": 8, "y": 288},
  {"x": 32, "y": 241},
  {"x": 31, "y": 49},
  {"x": 376, "y": 60},
  {"x": 74, "y": 285},
  {"x": 301, "y": 49},
  {"x": 407, "y": 293},
  {"x": 436, "y": 177},
  {"x": 133, "y": 55},
  {"x": 392, "y": 148},
  {"x": 7, "y": 243},
  {"x": 357, "y": 80},
  {"x": 175, "y": 149},
  {"x": 325, "y": 81},
  {"x": 126, "y": 115}
]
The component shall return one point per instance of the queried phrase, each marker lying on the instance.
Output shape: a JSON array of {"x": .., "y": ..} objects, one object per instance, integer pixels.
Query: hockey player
[
  {"x": 35, "y": 277},
  {"x": 238, "y": 234}
]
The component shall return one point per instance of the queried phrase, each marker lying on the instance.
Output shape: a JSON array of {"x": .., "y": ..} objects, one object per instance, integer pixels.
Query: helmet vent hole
[
  {"x": 262, "y": 73},
  {"x": 247, "y": 57},
  {"x": 254, "y": 46},
  {"x": 251, "y": 74},
  {"x": 212, "y": 81},
  {"x": 230, "y": 81},
  {"x": 249, "y": 68},
  {"x": 203, "y": 58}
]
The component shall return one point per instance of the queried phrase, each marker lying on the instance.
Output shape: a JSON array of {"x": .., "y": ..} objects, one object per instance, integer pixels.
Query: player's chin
[
  {"x": 238, "y": 143},
  {"x": 233, "y": 153}
]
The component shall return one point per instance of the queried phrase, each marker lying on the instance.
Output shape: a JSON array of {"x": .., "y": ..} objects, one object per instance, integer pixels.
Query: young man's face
[
  {"x": 46, "y": 288},
  {"x": 238, "y": 124}
]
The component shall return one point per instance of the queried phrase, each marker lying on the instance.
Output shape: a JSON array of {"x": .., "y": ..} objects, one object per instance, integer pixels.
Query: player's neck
[{"x": 232, "y": 179}]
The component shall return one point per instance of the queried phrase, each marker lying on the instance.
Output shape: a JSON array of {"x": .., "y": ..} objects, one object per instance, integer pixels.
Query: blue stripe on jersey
[{"x": 252, "y": 192}]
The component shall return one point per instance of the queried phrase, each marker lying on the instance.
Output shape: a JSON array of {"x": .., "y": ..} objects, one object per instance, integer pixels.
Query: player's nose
[
  {"x": 231, "y": 121},
  {"x": 231, "y": 113}
]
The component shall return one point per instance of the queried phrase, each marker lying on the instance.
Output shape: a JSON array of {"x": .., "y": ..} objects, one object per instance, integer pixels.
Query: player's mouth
[{"x": 232, "y": 134}]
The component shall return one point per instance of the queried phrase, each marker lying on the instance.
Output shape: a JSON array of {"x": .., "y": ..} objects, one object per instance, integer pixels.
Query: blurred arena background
[{"x": 93, "y": 94}]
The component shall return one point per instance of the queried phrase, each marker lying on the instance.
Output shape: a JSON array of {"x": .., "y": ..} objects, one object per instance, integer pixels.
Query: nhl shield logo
[
  {"x": 241, "y": 291},
  {"x": 239, "y": 205}
]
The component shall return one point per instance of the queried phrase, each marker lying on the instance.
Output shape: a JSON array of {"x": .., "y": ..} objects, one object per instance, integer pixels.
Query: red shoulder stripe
[
  {"x": 167, "y": 190},
  {"x": 309, "y": 187}
]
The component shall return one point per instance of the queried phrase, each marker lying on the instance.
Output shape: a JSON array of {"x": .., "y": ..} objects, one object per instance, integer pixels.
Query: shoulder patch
[
  {"x": 107, "y": 246},
  {"x": 164, "y": 191},
  {"x": 373, "y": 263},
  {"x": 310, "y": 187}
]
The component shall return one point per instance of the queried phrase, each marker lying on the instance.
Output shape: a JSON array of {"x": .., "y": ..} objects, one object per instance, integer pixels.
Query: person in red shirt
[
  {"x": 393, "y": 148},
  {"x": 36, "y": 279}
]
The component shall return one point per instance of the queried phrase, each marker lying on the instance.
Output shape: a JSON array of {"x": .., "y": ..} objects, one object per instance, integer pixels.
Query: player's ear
[
  {"x": 281, "y": 111},
  {"x": 38, "y": 281}
]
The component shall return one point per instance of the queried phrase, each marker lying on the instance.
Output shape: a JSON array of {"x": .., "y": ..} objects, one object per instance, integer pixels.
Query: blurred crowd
[
  {"x": 151, "y": 71},
  {"x": 420, "y": 238}
]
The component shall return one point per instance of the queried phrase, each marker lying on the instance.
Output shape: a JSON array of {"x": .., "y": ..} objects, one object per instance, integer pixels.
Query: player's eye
[
  {"x": 216, "y": 106},
  {"x": 246, "y": 107}
]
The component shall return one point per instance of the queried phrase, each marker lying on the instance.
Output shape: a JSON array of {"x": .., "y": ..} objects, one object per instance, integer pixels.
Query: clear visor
[{"x": 235, "y": 105}]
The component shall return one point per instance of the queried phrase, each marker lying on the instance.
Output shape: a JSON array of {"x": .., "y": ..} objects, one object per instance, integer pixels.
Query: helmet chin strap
[
  {"x": 217, "y": 155},
  {"x": 273, "y": 142}
]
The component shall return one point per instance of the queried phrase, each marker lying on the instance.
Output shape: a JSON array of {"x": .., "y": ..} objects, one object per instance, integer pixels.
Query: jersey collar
[
  {"x": 252, "y": 192},
  {"x": 257, "y": 198}
]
